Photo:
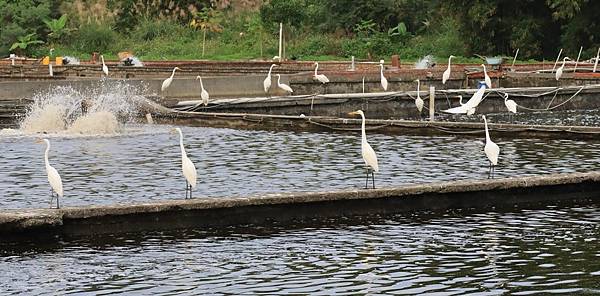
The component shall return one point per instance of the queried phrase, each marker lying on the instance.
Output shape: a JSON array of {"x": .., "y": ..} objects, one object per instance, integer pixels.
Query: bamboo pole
[
  {"x": 557, "y": 58},
  {"x": 577, "y": 62}
]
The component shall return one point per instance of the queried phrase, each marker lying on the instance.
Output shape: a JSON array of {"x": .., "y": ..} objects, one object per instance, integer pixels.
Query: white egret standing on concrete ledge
[
  {"x": 282, "y": 85},
  {"x": 488, "y": 81},
  {"x": 187, "y": 167},
  {"x": 559, "y": 71},
  {"x": 104, "y": 67},
  {"x": 446, "y": 74},
  {"x": 510, "y": 105},
  {"x": 168, "y": 81},
  {"x": 491, "y": 149},
  {"x": 418, "y": 101},
  {"x": 267, "y": 81},
  {"x": 368, "y": 153},
  {"x": 53, "y": 176},
  {"x": 320, "y": 77},
  {"x": 384, "y": 82},
  {"x": 203, "y": 93}
]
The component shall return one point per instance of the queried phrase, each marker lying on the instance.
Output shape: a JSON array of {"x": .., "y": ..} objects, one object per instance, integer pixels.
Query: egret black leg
[
  {"x": 190, "y": 191},
  {"x": 186, "y": 189},
  {"x": 51, "y": 197},
  {"x": 373, "y": 176},
  {"x": 490, "y": 171},
  {"x": 57, "y": 203},
  {"x": 367, "y": 180}
]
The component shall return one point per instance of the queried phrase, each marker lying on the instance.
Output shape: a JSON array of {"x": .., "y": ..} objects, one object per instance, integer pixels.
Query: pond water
[
  {"x": 143, "y": 163},
  {"x": 521, "y": 252}
]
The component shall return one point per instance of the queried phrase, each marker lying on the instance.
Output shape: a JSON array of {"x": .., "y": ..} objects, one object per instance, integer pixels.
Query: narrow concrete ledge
[{"x": 207, "y": 212}]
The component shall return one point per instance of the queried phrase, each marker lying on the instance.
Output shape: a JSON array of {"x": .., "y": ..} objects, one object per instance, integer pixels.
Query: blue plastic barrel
[{"x": 480, "y": 84}]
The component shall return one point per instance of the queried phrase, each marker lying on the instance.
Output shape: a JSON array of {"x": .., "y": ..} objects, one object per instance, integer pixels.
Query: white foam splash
[{"x": 99, "y": 110}]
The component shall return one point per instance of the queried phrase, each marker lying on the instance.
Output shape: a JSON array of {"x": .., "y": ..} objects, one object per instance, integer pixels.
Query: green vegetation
[{"x": 314, "y": 30}]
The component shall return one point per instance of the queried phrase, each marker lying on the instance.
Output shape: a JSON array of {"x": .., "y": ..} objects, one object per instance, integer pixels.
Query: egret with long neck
[
  {"x": 418, "y": 101},
  {"x": 491, "y": 149},
  {"x": 267, "y": 81},
  {"x": 486, "y": 77},
  {"x": 446, "y": 74},
  {"x": 203, "y": 93},
  {"x": 53, "y": 176},
  {"x": 367, "y": 151},
  {"x": 384, "y": 82},
  {"x": 187, "y": 167},
  {"x": 168, "y": 81}
]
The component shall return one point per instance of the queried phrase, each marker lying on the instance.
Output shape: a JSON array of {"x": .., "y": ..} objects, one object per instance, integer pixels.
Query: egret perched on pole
[
  {"x": 53, "y": 176},
  {"x": 491, "y": 149},
  {"x": 511, "y": 105},
  {"x": 168, "y": 81},
  {"x": 559, "y": 71},
  {"x": 282, "y": 85},
  {"x": 267, "y": 81},
  {"x": 488, "y": 81},
  {"x": 446, "y": 74},
  {"x": 418, "y": 101},
  {"x": 203, "y": 93},
  {"x": 384, "y": 82},
  {"x": 104, "y": 67},
  {"x": 368, "y": 153},
  {"x": 187, "y": 167}
]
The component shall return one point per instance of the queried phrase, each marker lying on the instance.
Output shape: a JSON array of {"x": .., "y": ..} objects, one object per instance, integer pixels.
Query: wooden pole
[
  {"x": 431, "y": 103},
  {"x": 557, "y": 58},
  {"x": 577, "y": 62},
  {"x": 596, "y": 62},
  {"x": 280, "y": 41},
  {"x": 516, "y": 54}
]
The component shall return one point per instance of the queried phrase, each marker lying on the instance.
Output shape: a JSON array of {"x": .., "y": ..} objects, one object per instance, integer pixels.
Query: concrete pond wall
[{"x": 301, "y": 206}]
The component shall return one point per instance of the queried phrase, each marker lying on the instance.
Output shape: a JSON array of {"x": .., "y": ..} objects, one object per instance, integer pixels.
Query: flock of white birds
[{"x": 491, "y": 149}]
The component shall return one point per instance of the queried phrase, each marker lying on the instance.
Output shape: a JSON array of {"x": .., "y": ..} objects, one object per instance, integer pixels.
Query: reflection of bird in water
[
  {"x": 53, "y": 176},
  {"x": 367, "y": 151}
]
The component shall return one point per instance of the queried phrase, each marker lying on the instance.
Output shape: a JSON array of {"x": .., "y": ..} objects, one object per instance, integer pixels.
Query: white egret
[
  {"x": 559, "y": 71},
  {"x": 488, "y": 81},
  {"x": 267, "y": 82},
  {"x": 282, "y": 85},
  {"x": 469, "y": 111},
  {"x": 168, "y": 81},
  {"x": 446, "y": 74},
  {"x": 510, "y": 104},
  {"x": 472, "y": 103},
  {"x": 203, "y": 93},
  {"x": 53, "y": 176},
  {"x": 104, "y": 67},
  {"x": 491, "y": 149},
  {"x": 367, "y": 151},
  {"x": 187, "y": 167},
  {"x": 320, "y": 77},
  {"x": 418, "y": 101},
  {"x": 384, "y": 82}
]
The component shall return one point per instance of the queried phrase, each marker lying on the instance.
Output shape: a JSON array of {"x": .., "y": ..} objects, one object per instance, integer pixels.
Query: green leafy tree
[
  {"x": 24, "y": 42},
  {"x": 23, "y": 17},
  {"x": 58, "y": 28}
]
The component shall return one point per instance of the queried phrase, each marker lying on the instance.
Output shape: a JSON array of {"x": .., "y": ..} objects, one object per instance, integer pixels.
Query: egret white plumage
[
  {"x": 446, "y": 74},
  {"x": 267, "y": 81},
  {"x": 168, "y": 81},
  {"x": 384, "y": 82},
  {"x": 187, "y": 167},
  {"x": 104, "y": 67},
  {"x": 491, "y": 149},
  {"x": 472, "y": 103},
  {"x": 367, "y": 151},
  {"x": 469, "y": 111},
  {"x": 320, "y": 77},
  {"x": 282, "y": 85},
  {"x": 510, "y": 104},
  {"x": 418, "y": 101},
  {"x": 559, "y": 71},
  {"x": 53, "y": 176},
  {"x": 488, "y": 81},
  {"x": 203, "y": 94}
]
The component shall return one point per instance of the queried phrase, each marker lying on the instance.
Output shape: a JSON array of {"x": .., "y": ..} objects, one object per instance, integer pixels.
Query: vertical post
[
  {"x": 353, "y": 67},
  {"x": 203, "y": 41},
  {"x": 557, "y": 58},
  {"x": 577, "y": 62},
  {"x": 514, "y": 59},
  {"x": 596, "y": 62},
  {"x": 363, "y": 84},
  {"x": 12, "y": 58},
  {"x": 431, "y": 102},
  {"x": 280, "y": 41},
  {"x": 50, "y": 71}
]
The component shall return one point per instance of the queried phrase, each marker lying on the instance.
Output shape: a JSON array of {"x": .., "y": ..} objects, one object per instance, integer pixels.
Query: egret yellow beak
[
  {"x": 353, "y": 113},
  {"x": 39, "y": 141}
]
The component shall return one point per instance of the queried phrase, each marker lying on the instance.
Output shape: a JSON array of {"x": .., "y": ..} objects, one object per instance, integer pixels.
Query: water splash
[
  {"x": 100, "y": 109},
  {"x": 426, "y": 62}
]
